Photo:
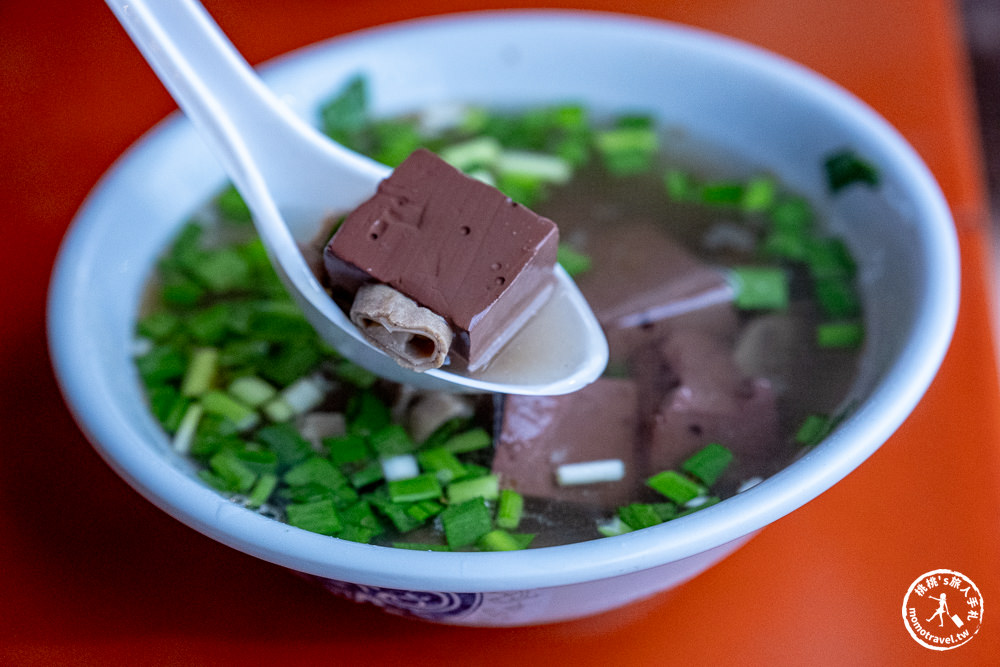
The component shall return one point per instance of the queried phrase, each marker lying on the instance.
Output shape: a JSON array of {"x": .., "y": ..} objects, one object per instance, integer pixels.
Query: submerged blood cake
[{"x": 435, "y": 242}]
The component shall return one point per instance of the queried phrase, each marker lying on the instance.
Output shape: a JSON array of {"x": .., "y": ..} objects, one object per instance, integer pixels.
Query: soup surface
[{"x": 732, "y": 317}]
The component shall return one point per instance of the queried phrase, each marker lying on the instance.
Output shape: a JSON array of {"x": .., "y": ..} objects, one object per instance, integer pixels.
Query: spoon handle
[{"x": 261, "y": 143}]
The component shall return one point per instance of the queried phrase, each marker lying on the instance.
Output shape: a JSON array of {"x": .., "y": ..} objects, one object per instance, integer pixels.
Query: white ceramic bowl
[{"x": 778, "y": 114}]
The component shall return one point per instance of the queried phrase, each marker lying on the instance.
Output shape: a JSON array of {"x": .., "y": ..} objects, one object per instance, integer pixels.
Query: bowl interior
[{"x": 774, "y": 113}]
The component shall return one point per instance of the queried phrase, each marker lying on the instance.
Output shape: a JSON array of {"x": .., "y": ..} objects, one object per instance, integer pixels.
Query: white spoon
[{"x": 292, "y": 177}]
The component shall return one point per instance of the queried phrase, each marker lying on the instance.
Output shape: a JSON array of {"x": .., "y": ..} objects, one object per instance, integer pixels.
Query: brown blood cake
[{"x": 452, "y": 244}]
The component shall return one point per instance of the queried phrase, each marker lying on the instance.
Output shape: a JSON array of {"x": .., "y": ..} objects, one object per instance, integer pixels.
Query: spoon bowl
[{"x": 293, "y": 177}]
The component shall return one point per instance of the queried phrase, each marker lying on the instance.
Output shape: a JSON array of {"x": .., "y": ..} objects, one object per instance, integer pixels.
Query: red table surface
[{"x": 92, "y": 573}]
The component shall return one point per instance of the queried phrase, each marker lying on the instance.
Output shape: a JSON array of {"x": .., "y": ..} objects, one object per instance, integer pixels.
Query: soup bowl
[{"x": 777, "y": 114}]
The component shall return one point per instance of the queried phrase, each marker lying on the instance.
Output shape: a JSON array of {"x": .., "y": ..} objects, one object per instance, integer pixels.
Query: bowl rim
[{"x": 849, "y": 445}]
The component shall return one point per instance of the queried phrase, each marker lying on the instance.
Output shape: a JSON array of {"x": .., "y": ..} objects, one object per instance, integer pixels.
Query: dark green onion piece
[
  {"x": 425, "y": 509},
  {"x": 675, "y": 486},
  {"x": 708, "y": 463},
  {"x": 232, "y": 206},
  {"x": 223, "y": 405},
  {"x": 466, "y": 522},
  {"x": 468, "y": 441},
  {"x": 573, "y": 261},
  {"x": 509, "y": 509},
  {"x": 284, "y": 440},
  {"x": 262, "y": 490},
  {"x": 680, "y": 185},
  {"x": 845, "y": 167},
  {"x": 814, "y": 428},
  {"x": 369, "y": 474},
  {"x": 498, "y": 540},
  {"x": 319, "y": 516},
  {"x": 760, "y": 287},
  {"x": 840, "y": 334},
  {"x": 421, "y": 487},
  {"x": 228, "y": 466},
  {"x": 391, "y": 440},
  {"x": 485, "y": 486},
  {"x": 711, "y": 500},
  {"x": 639, "y": 515},
  {"x": 445, "y": 465},
  {"x": 349, "y": 448}
]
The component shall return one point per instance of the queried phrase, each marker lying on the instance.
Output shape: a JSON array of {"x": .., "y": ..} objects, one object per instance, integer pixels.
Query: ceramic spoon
[{"x": 284, "y": 169}]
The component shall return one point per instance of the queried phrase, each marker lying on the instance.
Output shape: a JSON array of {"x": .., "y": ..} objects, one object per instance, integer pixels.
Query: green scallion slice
[
  {"x": 675, "y": 486},
  {"x": 466, "y": 522},
  {"x": 708, "y": 463}
]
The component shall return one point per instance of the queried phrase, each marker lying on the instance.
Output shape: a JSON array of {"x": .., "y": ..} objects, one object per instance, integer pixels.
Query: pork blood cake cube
[
  {"x": 455, "y": 246},
  {"x": 540, "y": 433}
]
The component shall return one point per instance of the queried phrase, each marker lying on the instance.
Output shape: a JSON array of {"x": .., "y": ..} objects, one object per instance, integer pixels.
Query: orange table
[{"x": 91, "y": 573}]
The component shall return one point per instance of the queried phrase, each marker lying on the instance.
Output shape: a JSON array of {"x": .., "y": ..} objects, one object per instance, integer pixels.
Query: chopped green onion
[
  {"x": 486, "y": 487},
  {"x": 232, "y": 206},
  {"x": 221, "y": 270},
  {"x": 425, "y": 509},
  {"x": 168, "y": 406},
  {"x": 627, "y": 150},
  {"x": 708, "y": 463},
  {"x": 161, "y": 364},
  {"x": 345, "y": 115},
  {"x": 200, "y": 371},
  {"x": 837, "y": 297},
  {"x": 573, "y": 261},
  {"x": 679, "y": 184},
  {"x": 509, "y": 509},
  {"x": 285, "y": 441},
  {"x": 391, "y": 440},
  {"x": 724, "y": 193},
  {"x": 158, "y": 326},
  {"x": 237, "y": 475},
  {"x": 350, "y": 372},
  {"x": 210, "y": 325},
  {"x": 262, "y": 490},
  {"x": 760, "y": 287},
  {"x": 395, "y": 140},
  {"x": 845, "y": 167},
  {"x": 468, "y": 441},
  {"x": 840, "y": 334},
  {"x": 639, "y": 515},
  {"x": 261, "y": 461},
  {"x": 319, "y": 516},
  {"x": 758, "y": 194},
  {"x": 675, "y": 486},
  {"x": 421, "y": 487},
  {"x": 528, "y": 164},
  {"x": 184, "y": 435},
  {"x": 472, "y": 154},
  {"x": 369, "y": 474},
  {"x": 395, "y": 512},
  {"x": 813, "y": 429},
  {"x": 525, "y": 190},
  {"x": 613, "y": 526},
  {"x": 223, "y": 405},
  {"x": 251, "y": 390},
  {"x": 466, "y": 522},
  {"x": 702, "y": 503},
  {"x": 367, "y": 414},
  {"x": 498, "y": 540},
  {"x": 349, "y": 448},
  {"x": 445, "y": 465}
]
